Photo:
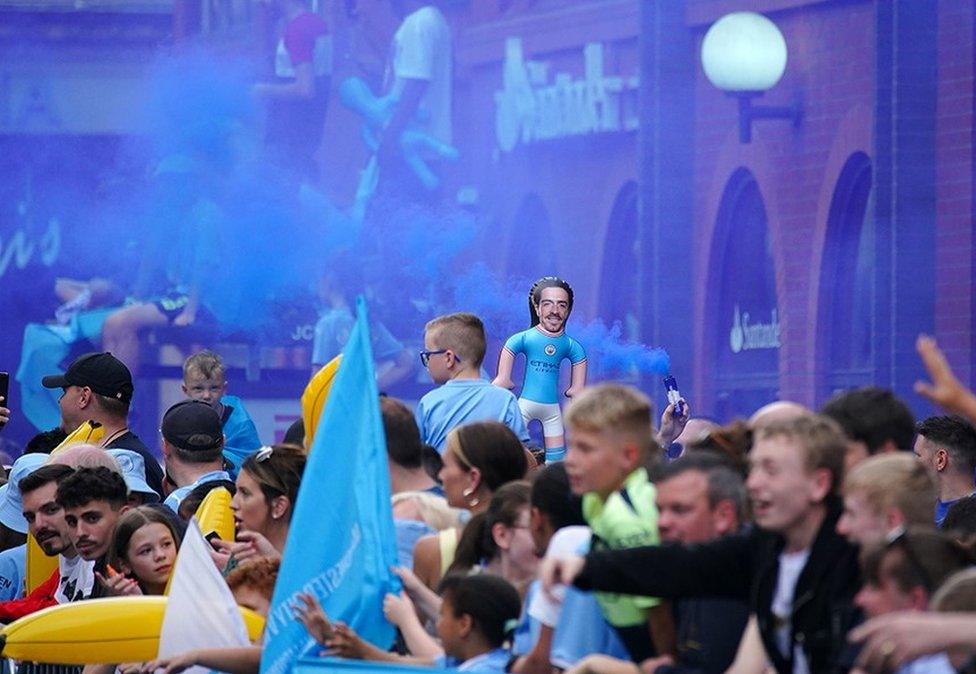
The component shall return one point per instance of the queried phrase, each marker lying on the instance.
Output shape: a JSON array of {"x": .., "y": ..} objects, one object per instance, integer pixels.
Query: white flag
[{"x": 201, "y": 611}]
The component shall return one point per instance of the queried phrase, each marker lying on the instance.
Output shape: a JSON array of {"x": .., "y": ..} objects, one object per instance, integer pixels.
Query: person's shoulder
[
  {"x": 128, "y": 440},
  {"x": 433, "y": 397},
  {"x": 14, "y": 553},
  {"x": 568, "y": 541},
  {"x": 627, "y": 518}
]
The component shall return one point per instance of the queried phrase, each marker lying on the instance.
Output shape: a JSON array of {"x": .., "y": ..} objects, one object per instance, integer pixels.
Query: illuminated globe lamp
[{"x": 744, "y": 55}]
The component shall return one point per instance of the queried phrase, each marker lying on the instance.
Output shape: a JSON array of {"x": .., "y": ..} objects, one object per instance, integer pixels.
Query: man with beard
[
  {"x": 45, "y": 522},
  {"x": 93, "y": 499},
  {"x": 545, "y": 345}
]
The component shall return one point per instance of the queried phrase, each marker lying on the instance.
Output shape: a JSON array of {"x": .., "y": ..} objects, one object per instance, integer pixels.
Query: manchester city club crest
[{"x": 550, "y": 349}]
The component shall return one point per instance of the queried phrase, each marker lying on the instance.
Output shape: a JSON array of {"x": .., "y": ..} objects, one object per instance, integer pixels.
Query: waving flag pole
[{"x": 341, "y": 543}]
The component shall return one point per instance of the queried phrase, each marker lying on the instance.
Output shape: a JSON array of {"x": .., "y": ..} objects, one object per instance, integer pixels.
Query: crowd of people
[{"x": 794, "y": 541}]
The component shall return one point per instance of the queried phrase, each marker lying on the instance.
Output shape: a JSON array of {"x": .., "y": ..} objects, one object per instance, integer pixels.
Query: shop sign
[
  {"x": 530, "y": 108},
  {"x": 746, "y": 335}
]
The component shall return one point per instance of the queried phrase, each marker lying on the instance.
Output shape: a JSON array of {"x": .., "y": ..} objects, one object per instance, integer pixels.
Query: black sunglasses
[{"x": 425, "y": 356}]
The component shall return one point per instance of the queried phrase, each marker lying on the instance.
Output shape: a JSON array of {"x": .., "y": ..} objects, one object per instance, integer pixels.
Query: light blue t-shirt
[
  {"x": 408, "y": 532},
  {"x": 177, "y": 495},
  {"x": 13, "y": 571},
  {"x": 492, "y": 662},
  {"x": 543, "y": 356},
  {"x": 461, "y": 401}
]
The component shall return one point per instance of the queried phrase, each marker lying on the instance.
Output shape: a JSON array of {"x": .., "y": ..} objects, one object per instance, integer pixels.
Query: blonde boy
[
  {"x": 883, "y": 493},
  {"x": 205, "y": 379},
  {"x": 610, "y": 435}
]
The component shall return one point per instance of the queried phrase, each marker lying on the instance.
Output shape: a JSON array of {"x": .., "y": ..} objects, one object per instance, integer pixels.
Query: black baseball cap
[
  {"x": 103, "y": 373},
  {"x": 192, "y": 425}
]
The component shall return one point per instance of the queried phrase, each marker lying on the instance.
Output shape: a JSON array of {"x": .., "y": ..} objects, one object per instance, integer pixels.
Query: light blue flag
[{"x": 341, "y": 543}]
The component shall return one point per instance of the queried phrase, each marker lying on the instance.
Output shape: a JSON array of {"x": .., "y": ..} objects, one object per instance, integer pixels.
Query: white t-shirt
[
  {"x": 77, "y": 579},
  {"x": 566, "y": 541},
  {"x": 790, "y": 566},
  {"x": 422, "y": 51}
]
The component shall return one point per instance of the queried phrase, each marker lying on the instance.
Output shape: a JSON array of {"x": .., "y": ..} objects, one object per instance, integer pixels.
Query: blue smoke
[
  {"x": 251, "y": 237},
  {"x": 609, "y": 356},
  {"x": 501, "y": 304}
]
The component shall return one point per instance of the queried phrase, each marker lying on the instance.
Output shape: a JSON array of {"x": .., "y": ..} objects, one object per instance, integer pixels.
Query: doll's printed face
[{"x": 553, "y": 309}]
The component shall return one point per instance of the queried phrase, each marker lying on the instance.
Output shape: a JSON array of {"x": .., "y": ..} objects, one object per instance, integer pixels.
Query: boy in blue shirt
[
  {"x": 204, "y": 379},
  {"x": 454, "y": 346}
]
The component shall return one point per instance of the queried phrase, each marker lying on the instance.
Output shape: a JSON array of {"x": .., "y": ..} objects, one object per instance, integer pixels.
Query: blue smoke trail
[
  {"x": 608, "y": 355},
  {"x": 500, "y": 304},
  {"x": 257, "y": 237}
]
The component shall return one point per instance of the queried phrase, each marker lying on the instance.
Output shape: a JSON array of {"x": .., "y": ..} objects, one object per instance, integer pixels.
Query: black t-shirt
[{"x": 154, "y": 472}]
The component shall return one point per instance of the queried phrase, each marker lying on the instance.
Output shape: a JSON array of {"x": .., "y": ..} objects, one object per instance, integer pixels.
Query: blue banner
[{"x": 341, "y": 543}]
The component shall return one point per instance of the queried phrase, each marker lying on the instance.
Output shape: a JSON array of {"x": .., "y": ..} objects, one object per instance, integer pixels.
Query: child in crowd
[
  {"x": 205, "y": 379},
  {"x": 558, "y": 528},
  {"x": 610, "y": 437},
  {"x": 477, "y": 617},
  {"x": 454, "y": 346},
  {"x": 144, "y": 548}
]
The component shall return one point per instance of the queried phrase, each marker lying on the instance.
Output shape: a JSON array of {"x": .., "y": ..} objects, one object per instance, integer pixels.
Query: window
[
  {"x": 742, "y": 306},
  {"x": 620, "y": 272},
  {"x": 845, "y": 329}
]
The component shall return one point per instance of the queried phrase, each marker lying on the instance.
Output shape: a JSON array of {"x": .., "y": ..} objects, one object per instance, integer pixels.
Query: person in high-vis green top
[{"x": 610, "y": 435}]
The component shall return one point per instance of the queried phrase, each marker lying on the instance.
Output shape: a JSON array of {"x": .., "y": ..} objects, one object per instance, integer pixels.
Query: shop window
[
  {"x": 846, "y": 281},
  {"x": 742, "y": 306},
  {"x": 620, "y": 269}
]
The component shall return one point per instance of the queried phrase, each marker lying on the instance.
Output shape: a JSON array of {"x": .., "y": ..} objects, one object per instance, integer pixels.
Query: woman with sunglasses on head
[{"x": 267, "y": 488}]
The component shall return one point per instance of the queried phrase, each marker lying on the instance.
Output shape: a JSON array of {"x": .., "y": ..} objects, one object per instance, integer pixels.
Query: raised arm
[{"x": 720, "y": 568}]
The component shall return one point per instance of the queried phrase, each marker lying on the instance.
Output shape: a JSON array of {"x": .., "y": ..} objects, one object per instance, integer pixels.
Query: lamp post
[{"x": 744, "y": 54}]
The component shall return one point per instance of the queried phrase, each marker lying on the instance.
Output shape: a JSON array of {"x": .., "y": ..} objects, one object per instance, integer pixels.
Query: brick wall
[
  {"x": 831, "y": 66},
  {"x": 954, "y": 320}
]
